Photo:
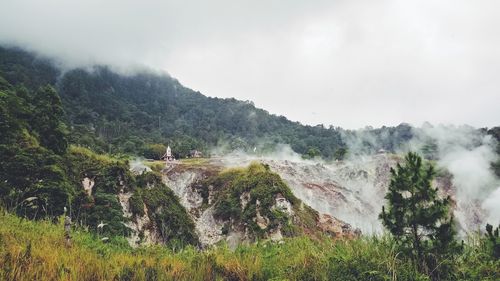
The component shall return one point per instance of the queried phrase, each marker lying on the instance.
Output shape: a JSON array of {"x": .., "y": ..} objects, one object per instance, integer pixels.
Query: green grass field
[{"x": 36, "y": 251}]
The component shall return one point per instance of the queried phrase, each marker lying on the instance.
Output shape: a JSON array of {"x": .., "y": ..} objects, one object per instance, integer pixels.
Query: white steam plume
[
  {"x": 137, "y": 166},
  {"x": 467, "y": 153}
]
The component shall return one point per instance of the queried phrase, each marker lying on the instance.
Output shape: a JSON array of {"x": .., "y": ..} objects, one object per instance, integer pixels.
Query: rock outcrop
[
  {"x": 206, "y": 193},
  {"x": 345, "y": 198}
]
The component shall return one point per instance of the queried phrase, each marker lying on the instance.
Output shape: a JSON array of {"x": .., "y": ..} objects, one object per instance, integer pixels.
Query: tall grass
[{"x": 36, "y": 251}]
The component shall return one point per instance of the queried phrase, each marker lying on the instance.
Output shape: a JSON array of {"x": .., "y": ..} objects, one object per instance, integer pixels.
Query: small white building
[
  {"x": 168, "y": 155},
  {"x": 195, "y": 154}
]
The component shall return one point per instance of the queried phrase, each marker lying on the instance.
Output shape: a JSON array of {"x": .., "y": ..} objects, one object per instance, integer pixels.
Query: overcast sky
[{"x": 343, "y": 63}]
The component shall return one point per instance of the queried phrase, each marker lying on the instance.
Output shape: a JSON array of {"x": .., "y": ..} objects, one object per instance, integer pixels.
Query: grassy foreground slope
[{"x": 36, "y": 251}]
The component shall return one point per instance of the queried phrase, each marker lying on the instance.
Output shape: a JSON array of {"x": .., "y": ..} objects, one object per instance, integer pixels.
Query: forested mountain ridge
[
  {"x": 117, "y": 113},
  {"x": 141, "y": 113}
]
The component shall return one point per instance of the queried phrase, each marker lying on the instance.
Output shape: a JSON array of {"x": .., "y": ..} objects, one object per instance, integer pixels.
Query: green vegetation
[
  {"x": 262, "y": 187},
  {"x": 154, "y": 151},
  {"x": 495, "y": 133},
  {"x": 32, "y": 145},
  {"x": 40, "y": 176},
  {"x": 112, "y": 113},
  {"x": 173, "y": 222},
  {"x": 112, "y": 176},
  {"x": 420, "y": 222},
  {"x": 156, "y": 166},
  {"x": 36, "y": 251},
  {"x": 493, "y": 240},
  {"x": 193, "y": 162},
  {"x": 100, "y": 204}
]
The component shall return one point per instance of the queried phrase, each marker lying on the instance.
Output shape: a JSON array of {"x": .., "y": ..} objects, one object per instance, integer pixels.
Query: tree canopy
[
  {"x": 109, "y": 112},
  {"x": 417, "y": 217}
]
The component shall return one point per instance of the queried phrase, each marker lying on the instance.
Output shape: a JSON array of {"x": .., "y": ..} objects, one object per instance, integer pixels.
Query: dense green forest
[
  {"x": 115, "y": 113},
  {"x": 41, "y": 175},
  {"x": 136, "y": 113}
]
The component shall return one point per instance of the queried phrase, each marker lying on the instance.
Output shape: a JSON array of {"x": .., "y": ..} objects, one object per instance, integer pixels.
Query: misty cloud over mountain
[{"x": 313, "y": 62}]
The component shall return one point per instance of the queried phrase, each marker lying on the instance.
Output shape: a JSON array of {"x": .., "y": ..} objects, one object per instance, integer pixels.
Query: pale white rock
[
  {"x": 276, "y": 235},
  {"x": 262, "y": 222},
  {"x": 209, "y": 230},
  {"x": 181, "y": 184},
  {"x": 283, "y": 205},
  {"x": 244, "y": 199},
  {"x": 138, "y": 224},
  {"x": 88, "y": 184}
]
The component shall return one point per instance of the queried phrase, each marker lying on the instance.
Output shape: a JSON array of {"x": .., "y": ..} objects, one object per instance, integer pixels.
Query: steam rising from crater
[
  {"x": 137, "y": 166},
  {"x": 492, "y": 205},
  {"x": 465, "y": 152},
  {"x": 353, "y": 190}
]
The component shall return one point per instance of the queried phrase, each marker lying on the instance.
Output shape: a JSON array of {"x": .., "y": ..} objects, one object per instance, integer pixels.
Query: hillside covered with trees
[
  {"x": 142, "y": 112},
  {"x": 41, "y": 174},
  {"x": 115, "y": 113}
]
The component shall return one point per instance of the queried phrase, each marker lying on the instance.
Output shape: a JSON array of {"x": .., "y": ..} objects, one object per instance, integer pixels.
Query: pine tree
[
  {"x": 419, "y": 220},
  {"x": 493, "y": 240},
  {"x": 47, "y": 119}
]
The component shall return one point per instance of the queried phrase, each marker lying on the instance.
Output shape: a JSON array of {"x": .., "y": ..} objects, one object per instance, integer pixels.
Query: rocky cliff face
[
  {"x": 220, "y": 213},
  {"x": 345, "y": 198},
  {"x": 143, "y": 230},
  {"x": 353, "y": 190},
  {"x": 183, "y": 180}
]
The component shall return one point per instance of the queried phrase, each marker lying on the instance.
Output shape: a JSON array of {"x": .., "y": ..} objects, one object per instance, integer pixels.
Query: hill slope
[{"x": 118, "y": 113}]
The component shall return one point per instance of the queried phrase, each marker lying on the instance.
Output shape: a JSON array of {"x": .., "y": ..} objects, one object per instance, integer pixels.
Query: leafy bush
[
  {"x": 173, "y": 222},
  {"x": 32, "y": 145},
  {"x": 136, "y": 204},
  {"x": 262, "y": 187},
  {"x": 154, "y": 151},
  {"x": 493, "y": 240},
  {"x": 110, "y": 176}
]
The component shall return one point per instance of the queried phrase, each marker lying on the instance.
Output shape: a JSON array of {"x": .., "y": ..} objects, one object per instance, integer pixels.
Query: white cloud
[{"x": 347, "y": 63}]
